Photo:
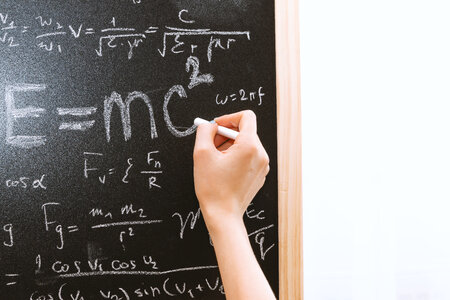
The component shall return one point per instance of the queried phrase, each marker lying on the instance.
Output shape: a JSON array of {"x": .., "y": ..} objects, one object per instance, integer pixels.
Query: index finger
[{"x": 244, "y": 120}]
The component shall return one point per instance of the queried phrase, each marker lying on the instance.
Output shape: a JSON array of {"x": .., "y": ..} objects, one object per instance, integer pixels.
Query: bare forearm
[
  {"x": 241, "y": 275},
  {"x": 227, "y": 176}
]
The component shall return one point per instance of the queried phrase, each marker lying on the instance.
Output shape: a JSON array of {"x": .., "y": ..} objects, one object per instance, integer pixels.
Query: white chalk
[{"x": 226, "y": 132}]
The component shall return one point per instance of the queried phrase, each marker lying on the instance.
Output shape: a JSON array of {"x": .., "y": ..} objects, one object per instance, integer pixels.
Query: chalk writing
[
  {"x": 98, "y": 101},
  {"x": 192, "y": 218},
  {"x": 152, "y": 170},
  {"x": 51, "y": 35},
  {"x": 241, "y": 95}
]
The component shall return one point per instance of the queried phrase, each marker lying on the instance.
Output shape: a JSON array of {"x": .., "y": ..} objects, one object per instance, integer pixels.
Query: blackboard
[{"x": 97, "y": 102}]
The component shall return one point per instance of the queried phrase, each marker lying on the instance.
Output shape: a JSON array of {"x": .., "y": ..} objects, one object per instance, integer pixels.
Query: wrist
[
  {"x": 227, "y": 230},
  {"x": 220, "y": 223}
]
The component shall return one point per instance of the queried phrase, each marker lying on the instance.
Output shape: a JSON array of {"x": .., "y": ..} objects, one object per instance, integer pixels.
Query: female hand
[{"x": 228, "y": 174}]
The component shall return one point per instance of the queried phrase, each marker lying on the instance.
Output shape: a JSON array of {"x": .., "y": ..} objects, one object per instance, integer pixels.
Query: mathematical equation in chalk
[
  {"x": 96, "y": 99},
  {"x": 124, "y": 224},
  {"x": 51, "y": 35},
  {"x": 153, "y": 170},
  {"x": 169, "y": 287},
  {"x": 123, "y": 221},
  {"x": 82, "y": 119},
  {"x": 98, "y": 169}
]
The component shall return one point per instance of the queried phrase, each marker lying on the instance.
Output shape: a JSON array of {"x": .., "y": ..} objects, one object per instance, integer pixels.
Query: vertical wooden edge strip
[{"x": 289, "y": 149}]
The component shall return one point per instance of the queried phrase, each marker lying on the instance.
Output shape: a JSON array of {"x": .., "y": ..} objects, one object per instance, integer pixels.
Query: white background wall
[{"x": 376, "y": 148}]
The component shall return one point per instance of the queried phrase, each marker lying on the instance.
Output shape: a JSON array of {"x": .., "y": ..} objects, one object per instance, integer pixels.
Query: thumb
[{"x": 204, "y": 141}]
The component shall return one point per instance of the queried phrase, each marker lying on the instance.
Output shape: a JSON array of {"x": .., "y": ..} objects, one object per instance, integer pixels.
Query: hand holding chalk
[
  {"x": 226, "y": 132},
  {"x": 227, "y": 180}
]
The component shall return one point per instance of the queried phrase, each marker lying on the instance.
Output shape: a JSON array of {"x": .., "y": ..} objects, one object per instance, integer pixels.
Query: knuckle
[
  {"x": 249, "y": 114},
  {"x": 263, "y": 158},
  {"x": 252, "y": 150},
  {"x": 199, "y": 153},
  {"x": 263, "y": 180}
]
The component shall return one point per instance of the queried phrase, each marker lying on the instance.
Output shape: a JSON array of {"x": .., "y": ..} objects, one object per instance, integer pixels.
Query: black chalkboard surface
[{"x": 97, "y": 105}]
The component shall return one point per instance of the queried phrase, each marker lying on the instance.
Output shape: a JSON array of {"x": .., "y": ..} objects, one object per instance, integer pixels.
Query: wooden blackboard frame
[{"x": 289, "y": 149}]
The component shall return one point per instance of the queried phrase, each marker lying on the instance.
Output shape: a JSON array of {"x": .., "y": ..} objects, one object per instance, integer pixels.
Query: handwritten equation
[
  {"x": 97, "y": 194},
  {"x": 90, "y": 170},
  {"x": 82, "y": 119},
  {"x": 51, "y": 35},
  {"x": 123, "y": 223}
]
